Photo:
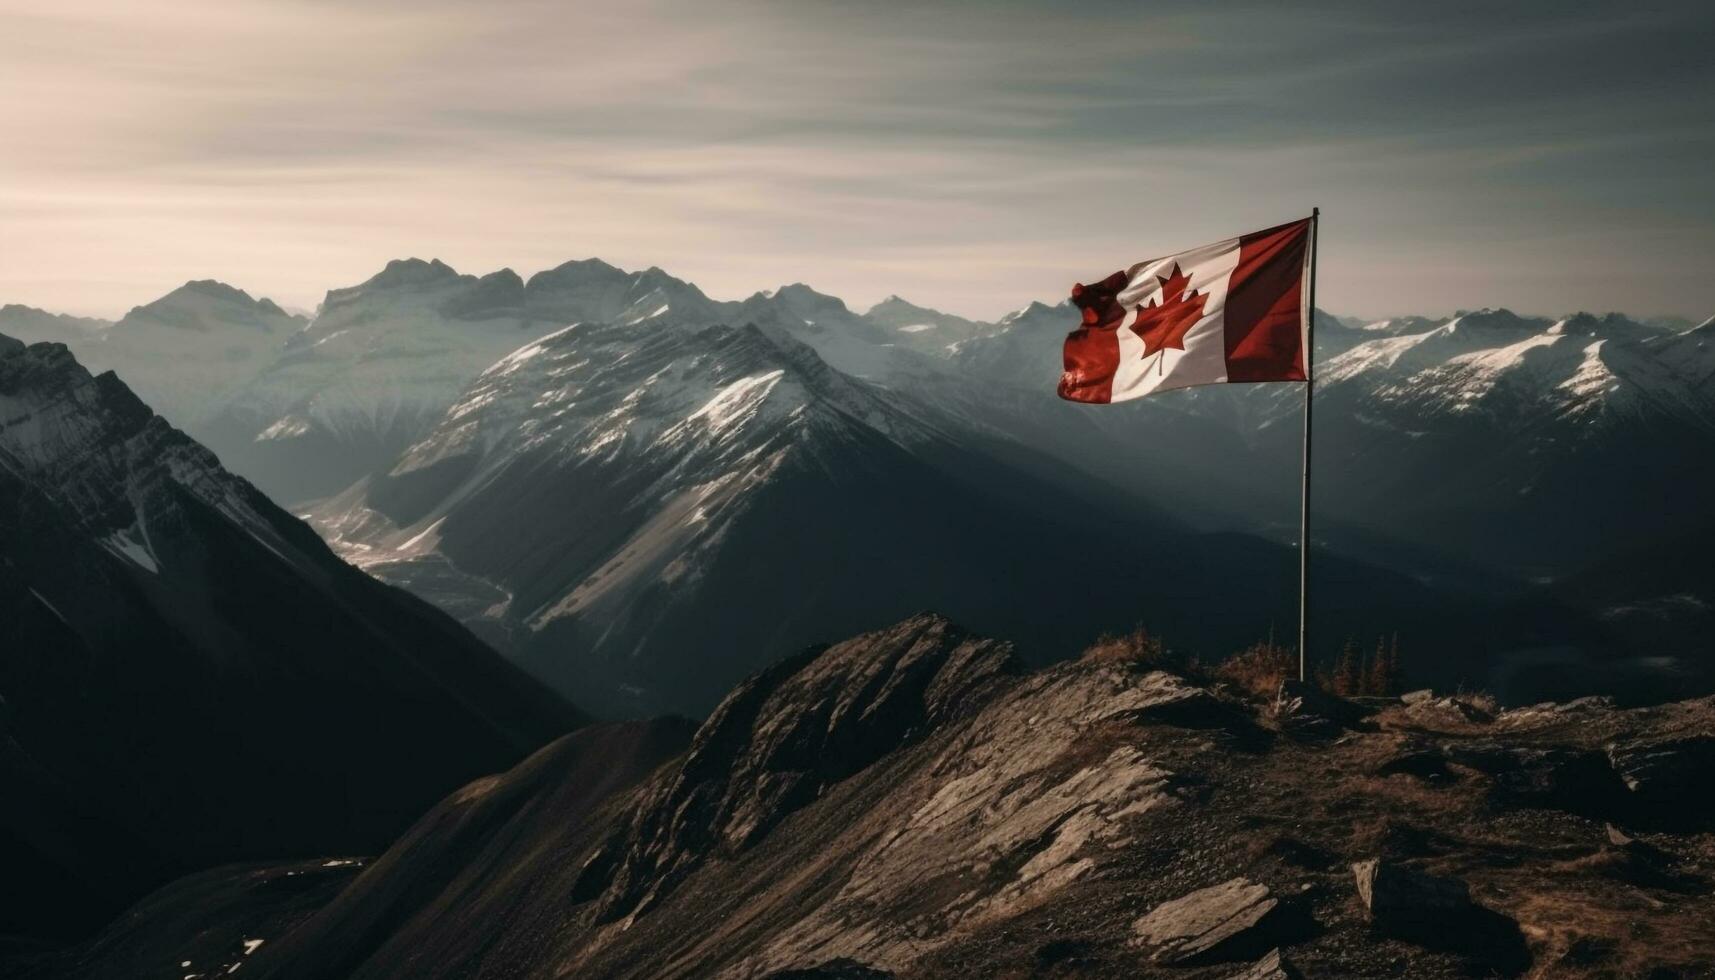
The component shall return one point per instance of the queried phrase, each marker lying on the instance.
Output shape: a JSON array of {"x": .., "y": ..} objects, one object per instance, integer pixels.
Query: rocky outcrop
[
  {"x": 1308, "y": 710},
  {"x": 911, "y": 803},
  {"x": 1207, "y": 923},
  {"x": 832, "y": 970},
  {"x": 1670, "y": 781},
  {"x": 775, "y": 743}
]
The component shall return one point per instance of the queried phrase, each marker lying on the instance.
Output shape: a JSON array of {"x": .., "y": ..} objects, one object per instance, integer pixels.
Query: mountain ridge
[
  {"x": 913, "y": 802},
  {"x": 1423, "y": 417}
]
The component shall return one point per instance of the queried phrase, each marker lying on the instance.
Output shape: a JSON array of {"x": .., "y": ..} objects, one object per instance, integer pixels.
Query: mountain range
[{"x": 600, "y": 470}]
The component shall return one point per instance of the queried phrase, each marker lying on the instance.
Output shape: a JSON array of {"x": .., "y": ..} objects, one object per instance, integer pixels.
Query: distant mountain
[
  {"x": 188, "y": 676},
  {"x": 384, "y": 359},
  {"x": 1481, "y": 438},
  {"x": 1456, "y": 450},
  {"x": 1535, "y": 445},
  {"x": 194, "y": 348},
  {"x": 30, "y": 325},
  {"x": 649, "y": 511},
  {"x": 362, "y": 380},
  {"x": 921, "y": 328},
  {"x": 633, "y": 505}
]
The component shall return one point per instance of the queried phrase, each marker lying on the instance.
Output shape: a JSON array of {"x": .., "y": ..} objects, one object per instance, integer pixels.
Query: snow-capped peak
[{"x": 1517, "y": 371}]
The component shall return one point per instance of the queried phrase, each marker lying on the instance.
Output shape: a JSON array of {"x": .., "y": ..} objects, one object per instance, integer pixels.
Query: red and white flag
[{"x": 1237, "y": 310}]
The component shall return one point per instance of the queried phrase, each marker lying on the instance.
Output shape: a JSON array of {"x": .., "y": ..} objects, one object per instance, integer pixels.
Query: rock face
[
  {"x": 1671, "y": 781},
  {"x": 912, "y": 803},
  {"x": 178, "y": 656},
  {"x": 1204, "y": 923},
  {"x": 832, "y": 970},
  {"x": 778, "y": 741}
]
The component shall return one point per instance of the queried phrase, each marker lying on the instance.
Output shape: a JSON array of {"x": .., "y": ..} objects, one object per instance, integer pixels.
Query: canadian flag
[{"x": 1236, "y": 310}]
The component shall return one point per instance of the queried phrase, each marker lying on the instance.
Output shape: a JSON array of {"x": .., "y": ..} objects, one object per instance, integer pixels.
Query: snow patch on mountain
[
  {"x": 691, "y": 422},
  {"x": 92, "y": 445},
  {"x": 1519, "y": 371},
  {"x": 132, "y": 544}
]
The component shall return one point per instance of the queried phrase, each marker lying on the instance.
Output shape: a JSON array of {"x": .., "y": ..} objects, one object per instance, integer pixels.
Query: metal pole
[{"x": 1304, "y": 492}]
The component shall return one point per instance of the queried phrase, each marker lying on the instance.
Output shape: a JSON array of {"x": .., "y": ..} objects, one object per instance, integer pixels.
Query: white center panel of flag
[{"x": 1203, "y": 357}]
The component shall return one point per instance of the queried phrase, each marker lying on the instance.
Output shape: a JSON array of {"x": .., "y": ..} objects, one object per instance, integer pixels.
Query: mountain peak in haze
[
  {"x": 206, "y": 305},
  {"x": 578, "y": 269},
  {"x": 1495, "y": 319},
  {"x": 29, "y": 324},
  {"x": 1583, "y": 324},
  {"x": 902, "y": 314},
  {"x": 799, "y": 299},
  {"x": 411, "y": 272}
]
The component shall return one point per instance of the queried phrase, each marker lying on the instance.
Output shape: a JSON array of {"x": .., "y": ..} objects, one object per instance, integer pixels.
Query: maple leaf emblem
[{"x": 1163, "y": 325}]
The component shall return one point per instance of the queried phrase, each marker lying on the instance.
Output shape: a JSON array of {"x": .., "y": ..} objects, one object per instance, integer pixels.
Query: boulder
[
  {"x": 1417, "y": 697},
  {"x": 1206, "y": 924},
  {"x": 1437, "y": 913},
  {"x": 1618, "y": 837},
  {"x": 1304, "y": 707},
  {"x": 1393, "y": 894}
]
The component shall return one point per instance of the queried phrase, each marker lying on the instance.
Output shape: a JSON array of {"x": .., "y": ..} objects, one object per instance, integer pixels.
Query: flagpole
[{"x": 1304, "y": 490}]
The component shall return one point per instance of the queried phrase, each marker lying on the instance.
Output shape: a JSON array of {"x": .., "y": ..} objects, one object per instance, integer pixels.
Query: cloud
[{"x": 968, "y": 155}]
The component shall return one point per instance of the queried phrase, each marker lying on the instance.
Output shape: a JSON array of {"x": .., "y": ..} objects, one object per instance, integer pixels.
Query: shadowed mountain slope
[{"x": 189, "y": 676}]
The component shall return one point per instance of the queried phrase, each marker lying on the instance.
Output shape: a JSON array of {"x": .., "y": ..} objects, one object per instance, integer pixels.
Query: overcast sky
[{"x": 969, "y": 156}]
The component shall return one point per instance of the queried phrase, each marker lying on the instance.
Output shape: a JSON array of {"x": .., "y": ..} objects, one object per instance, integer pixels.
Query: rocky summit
[{"x": 914, "y": 803}]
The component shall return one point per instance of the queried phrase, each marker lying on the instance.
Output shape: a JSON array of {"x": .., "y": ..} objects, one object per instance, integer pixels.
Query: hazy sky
[{"x": 970, "y": 156}]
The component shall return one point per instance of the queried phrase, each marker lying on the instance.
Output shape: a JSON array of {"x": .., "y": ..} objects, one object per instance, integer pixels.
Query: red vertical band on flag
[
  {"x": 1264, "y": 317},
  {"x": 1092, "y": 353}
]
